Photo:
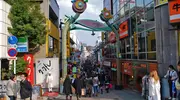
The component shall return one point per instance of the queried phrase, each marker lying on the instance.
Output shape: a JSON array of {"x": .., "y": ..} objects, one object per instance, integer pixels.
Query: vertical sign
[
  {"x": 123, "y": 29},
  {"x": 30, "y": 67},
  {"x": 135, "y": 44},
  {"x": 174, "y": 11}
]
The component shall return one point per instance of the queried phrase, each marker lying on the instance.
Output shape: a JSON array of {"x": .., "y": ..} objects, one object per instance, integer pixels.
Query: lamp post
[
  {"x": 78, "y": 7},
  {"x": 106, "y": 16}
]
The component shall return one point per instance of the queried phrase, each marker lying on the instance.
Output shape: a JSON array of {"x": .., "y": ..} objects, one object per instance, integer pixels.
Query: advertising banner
[
  {"x": 44, "y": 67},
  {"x": 112, "y": 37},
  {"x": 30, "y": 67},
  {"x": 123, "y": 30},
  {"x": 174, "y": 11}
]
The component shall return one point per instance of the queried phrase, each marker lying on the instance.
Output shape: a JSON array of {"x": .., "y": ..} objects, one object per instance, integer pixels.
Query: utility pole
[
  {"x": 106, "y": 16},
  {"x": 79, "y": 7}
]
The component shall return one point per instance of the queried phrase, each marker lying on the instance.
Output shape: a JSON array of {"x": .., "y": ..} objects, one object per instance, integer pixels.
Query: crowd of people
[
  {"x": 86, "y": 86},
  {"x": 151, "y": 84}
]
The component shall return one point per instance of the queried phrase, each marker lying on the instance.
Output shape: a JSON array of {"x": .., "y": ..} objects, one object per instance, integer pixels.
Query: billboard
[
  {"x": 123, "y": 29},
  {"x": 174, "y": 11},
  {"x": 44, "y": 66}
]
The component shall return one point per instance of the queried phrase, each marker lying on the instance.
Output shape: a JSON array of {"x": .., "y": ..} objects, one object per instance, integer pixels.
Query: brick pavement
[{"x": 113, "y": 95}]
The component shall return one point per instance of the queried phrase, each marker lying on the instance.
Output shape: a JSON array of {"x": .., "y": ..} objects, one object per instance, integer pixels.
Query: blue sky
[{"x": 93, "y": 10}]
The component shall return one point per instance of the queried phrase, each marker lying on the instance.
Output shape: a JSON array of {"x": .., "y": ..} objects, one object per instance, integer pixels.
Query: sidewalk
[{"x": 113, "y": 95}]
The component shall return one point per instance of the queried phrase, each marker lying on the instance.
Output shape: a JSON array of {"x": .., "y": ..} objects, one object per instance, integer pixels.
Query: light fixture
[{"x": 93, "y": 33}]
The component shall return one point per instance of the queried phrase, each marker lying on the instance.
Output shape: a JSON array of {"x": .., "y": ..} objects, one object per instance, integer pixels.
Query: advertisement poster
[
  {"x": 44, "y": 67},
  {"x": 30, "y": 67}
]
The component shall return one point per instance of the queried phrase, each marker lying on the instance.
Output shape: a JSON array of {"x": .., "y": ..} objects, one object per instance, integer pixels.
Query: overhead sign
[
  {"x": 123, "y": 30},
  {"x": 22, "y": 45},
  {"x": 12, "y": 52},
  {"x": 12, "y": 40},
  {"x": 174, "y": 11}
]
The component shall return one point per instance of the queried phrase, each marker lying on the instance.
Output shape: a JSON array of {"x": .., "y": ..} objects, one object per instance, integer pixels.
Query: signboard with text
[
  {"x": 30, "y": 67},
  {"x": 123, "y": 30},
  {"x": 44, "y": 66},
  {"x": 22, "y": 45},
  {"x": 174, "y": 11}
]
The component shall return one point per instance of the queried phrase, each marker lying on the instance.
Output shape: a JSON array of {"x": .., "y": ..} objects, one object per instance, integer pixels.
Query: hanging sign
[
  {"x": 174, "y": 11},
  {"x": 123, "y": 29}
]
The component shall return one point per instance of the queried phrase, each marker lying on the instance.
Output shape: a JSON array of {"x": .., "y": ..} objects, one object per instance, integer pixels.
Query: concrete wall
[
  {"x": 166, "y": 43},
  {"x": 45, "y": 8},
  {"x": 4, "y": 24}
]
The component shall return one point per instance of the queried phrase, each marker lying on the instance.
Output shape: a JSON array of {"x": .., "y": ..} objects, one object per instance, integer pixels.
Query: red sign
[
  {"x": 30, "y": 67},
  {"x": 123, "y": 30},
  {"x": 127, "y": 68},
  {"x": 174, "y": 11},
  {"x": 112, "y": 37}
]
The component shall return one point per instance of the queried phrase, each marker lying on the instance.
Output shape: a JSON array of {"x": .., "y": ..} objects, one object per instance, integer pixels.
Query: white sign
[
  {"x": 3, "y": 87},
  {"x": 45, "y": 66},
  {"x": 107, "y": 63}
]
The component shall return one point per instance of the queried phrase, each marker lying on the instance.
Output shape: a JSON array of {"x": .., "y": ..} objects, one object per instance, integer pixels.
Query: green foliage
[
  {"x": 28, "y": 21},
  {"x": 20, "y": 66}
]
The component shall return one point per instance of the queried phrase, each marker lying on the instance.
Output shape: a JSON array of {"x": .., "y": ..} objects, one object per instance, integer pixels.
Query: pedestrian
[
  {"x": 172, "y": 76},
  {"x": 178, "y": 81},
  {"x": 102, "y": 80},
  {"x": 25, "y": 88},
  {"x": 78, "y": 86},
  {"x": 145, "y": 85},
  {"x": 12, "y": 88},
  {"x": 107, "y": 82},
  {"x": 67, "y": 90},
  {"x": 154, "y": 86},
  {"x": 95, "y": 85}
]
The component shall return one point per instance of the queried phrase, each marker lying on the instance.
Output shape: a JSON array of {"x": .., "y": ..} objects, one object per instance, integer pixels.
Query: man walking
[
  {"x": 78, "y": 86},
  {"x": 26, "y": 88}
]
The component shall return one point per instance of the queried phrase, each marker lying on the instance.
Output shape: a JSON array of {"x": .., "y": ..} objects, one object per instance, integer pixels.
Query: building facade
[
  {"x": 148, "y": 40},
  {"x": 4, "y": 24},
  {"x": 51, "y": 48}
]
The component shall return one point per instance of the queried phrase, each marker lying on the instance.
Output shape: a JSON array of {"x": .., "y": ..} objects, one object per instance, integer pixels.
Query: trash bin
[{"x": 164, "y": 89}]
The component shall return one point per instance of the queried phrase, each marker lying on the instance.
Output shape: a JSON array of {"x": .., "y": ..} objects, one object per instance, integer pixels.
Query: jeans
[
  {"x": 12, "y": 97},
  {"x": 178, "y": 95},
  {"x": 95, "y": 89}
]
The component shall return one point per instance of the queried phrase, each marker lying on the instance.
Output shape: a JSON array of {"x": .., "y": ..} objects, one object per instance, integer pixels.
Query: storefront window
[
  {"x": 128, "y": 44},
  {"x": 141, "y": 41},
  {"x": 151, "y": 56},
  {"x": 142, "y": 55},
  {"x": 140, "y": 20},
  {"x": 123, "y": 46},
  {"x": 151, "y": 40}
]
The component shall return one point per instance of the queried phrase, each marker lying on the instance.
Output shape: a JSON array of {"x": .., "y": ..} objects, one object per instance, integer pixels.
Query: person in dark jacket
[
  {"x": 67, "y": 87},
  {"x": 78, "y": 86},
  {"x": 102, "y": 81},
  {"x": 26, "y": 88}
]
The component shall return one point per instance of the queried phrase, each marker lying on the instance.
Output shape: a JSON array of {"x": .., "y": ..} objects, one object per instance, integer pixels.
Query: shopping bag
[
  {"x": 83, "y": 92},
  {"x": 110, "y": 86}
]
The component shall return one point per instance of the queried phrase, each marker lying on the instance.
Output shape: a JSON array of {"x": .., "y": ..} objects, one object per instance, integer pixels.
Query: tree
[
  {"x": 27, "y": 21},
  {"x": 20, "y": 66}
]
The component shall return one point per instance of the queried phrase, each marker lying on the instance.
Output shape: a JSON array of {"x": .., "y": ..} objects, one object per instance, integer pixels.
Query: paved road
[{"x": 113, "y": 95}]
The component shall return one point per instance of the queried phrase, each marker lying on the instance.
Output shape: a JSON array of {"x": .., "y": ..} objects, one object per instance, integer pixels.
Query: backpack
[{"x": 177, "y": 84}]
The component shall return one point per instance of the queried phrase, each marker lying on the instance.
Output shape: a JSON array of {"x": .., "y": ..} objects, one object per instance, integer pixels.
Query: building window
[
  {"x": 51, "y": 43},
  {"x": 122, "y": 49},
  {"x": 141, "y": 42}
]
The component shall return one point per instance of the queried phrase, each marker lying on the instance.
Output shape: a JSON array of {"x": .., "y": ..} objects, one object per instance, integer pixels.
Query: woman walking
[
  {"x": 67, "y": 87},
  {"x": 154, "y": 86},
  {"x": 12, "y": 88},
  {"x": 172, "y": 77}
]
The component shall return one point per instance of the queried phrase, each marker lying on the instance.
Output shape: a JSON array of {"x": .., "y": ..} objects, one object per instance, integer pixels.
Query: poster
[
  {"x": 30, "y": 67},
  {"x": 44, "y": 66}
]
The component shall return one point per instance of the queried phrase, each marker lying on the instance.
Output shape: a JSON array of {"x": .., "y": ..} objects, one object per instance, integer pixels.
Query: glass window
[
  {"x": 128, "y": 44},
  {"x": 51, "y": 43},
  {"x": 134, "y": 56},
  {"x": 132, "y": 7},
  {"x": 151, "y": 40},
  {"x": 122, "y": 49},
  {"x": 151, "y": 56},
  {"x": 122, "y": 12},
  {"x": 146, "y": 2},
  {"x": 141, "y": 42},
  {"x": 142, "y": 55},
  {"x": 4, "y": 69},
  {"x": 139, "y": 3},
  {"x": 128, "y": 56},
  {"x": 126, "y": 8},
  {"x": 114, "y": 8},
  {"x": 123, "y": 56}
]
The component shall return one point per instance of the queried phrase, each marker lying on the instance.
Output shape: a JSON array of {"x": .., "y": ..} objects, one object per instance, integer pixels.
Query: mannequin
[{"x": 50, "y": 82}]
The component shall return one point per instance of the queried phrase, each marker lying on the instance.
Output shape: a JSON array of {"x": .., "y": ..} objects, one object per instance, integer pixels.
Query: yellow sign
[
  {"x": 162, "y": 1},
  {"x": 135, "y": 44},
  {"x": 102, "y": 36}
]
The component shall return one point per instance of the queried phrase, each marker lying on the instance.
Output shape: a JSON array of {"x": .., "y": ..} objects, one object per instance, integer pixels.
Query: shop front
[{"x": 133, "y": 72}]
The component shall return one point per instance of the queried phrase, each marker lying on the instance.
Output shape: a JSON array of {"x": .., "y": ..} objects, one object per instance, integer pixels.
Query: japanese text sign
[
  {"x": 174, "y": 11},
  {"x": 123, "y": 29}
]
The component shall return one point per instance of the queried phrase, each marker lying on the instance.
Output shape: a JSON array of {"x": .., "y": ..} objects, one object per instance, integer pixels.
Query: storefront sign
[
  {"x": 107, "y": 63},
  {"x": 135, "y": 44},
  {"x": 174, "y": 11},
  {"x": 30, "y": 67},
  {"x": 127, "y": 68},
  {"x": 123, "y": 29},
  {"x": 163, "y": 1},
  {"x": 112, "y": 37}
]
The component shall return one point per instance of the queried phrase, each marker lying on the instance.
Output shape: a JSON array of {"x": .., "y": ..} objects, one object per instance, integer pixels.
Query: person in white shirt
[
  {"x": 154, "y": 86},
  {"x": 172, "y": 77},
  {"x": 50, "y": 82}
]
